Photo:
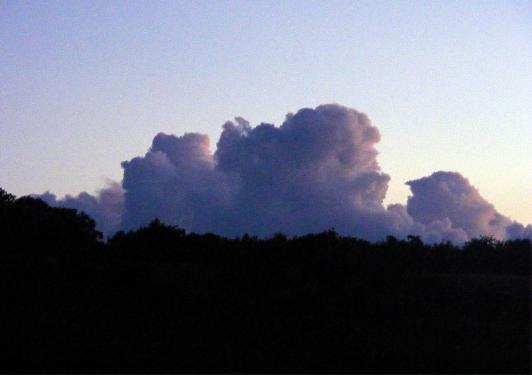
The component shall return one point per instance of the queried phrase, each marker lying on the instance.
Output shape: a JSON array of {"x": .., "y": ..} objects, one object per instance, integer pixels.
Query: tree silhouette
[{"x": 160, "y": 299}]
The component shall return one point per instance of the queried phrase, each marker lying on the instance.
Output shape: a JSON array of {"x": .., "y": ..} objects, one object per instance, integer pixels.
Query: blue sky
[{"x": 86, "y": 85}]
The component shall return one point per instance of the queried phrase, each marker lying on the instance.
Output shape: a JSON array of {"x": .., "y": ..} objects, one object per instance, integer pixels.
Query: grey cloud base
[{"x": 317, "y": 171}]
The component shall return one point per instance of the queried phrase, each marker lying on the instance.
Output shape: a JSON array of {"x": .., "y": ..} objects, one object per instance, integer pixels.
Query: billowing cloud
[
  {"x": 105, "y": 208},
  {"x": 449, "y": 197},
  {"x": 516, "y": 230},
  {"x": 177, "y": 182},
  {"x": 316, "y": 171}
]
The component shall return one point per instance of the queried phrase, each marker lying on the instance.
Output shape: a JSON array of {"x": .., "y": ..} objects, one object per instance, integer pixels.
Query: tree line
[{"x": 160, "y": 299}]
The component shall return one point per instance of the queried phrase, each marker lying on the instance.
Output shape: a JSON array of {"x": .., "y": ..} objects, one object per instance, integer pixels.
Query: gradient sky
[{"x": 86, "y": 85}]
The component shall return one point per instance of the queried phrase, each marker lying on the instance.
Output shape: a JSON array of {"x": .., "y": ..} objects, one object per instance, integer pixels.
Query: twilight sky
[{"x": 87, "y": 85}]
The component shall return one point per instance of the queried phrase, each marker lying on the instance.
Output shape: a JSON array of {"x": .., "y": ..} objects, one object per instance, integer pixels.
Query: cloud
[
  {"x": 516, "y": 230},
  {"x": 316, "y": 171},
  {"x": 449, "y": 197},
  {"x": 105, "y": 208},
  {"x": 177, "y": 182}
]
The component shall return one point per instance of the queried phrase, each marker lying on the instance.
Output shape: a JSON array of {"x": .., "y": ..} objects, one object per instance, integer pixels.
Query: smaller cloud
[
  {"x": 448, "y": 205},
  {"x": 105, "y": 207},
  {"x": 517, "y": 230}
]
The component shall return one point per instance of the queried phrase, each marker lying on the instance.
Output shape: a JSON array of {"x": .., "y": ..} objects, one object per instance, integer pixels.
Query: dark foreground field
[{"x": 160, "y": 300}]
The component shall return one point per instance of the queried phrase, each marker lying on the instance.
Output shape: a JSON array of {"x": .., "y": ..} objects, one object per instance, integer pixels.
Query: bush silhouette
[{"x": 29, "y": 224}]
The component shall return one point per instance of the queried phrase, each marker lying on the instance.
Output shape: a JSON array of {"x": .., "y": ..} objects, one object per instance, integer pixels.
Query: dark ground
[{"x": 160, "y": 300}]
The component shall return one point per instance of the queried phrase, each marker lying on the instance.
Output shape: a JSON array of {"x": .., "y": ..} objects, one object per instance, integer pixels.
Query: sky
[{"x": 86, "y": 85}]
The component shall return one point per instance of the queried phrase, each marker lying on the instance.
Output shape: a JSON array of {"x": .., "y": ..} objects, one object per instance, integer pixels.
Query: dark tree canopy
[{"x": 160, "y": 299}]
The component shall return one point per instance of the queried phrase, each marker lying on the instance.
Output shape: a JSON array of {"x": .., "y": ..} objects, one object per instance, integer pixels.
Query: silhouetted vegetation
[{"x": 160, "y": 299}]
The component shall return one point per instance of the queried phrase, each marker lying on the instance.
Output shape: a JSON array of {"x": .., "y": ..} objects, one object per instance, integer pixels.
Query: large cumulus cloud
[{"x": 318, "y": 170}]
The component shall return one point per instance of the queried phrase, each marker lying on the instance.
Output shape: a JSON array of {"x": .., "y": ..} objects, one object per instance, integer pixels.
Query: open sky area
[{"x": 85, "y": 85}]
